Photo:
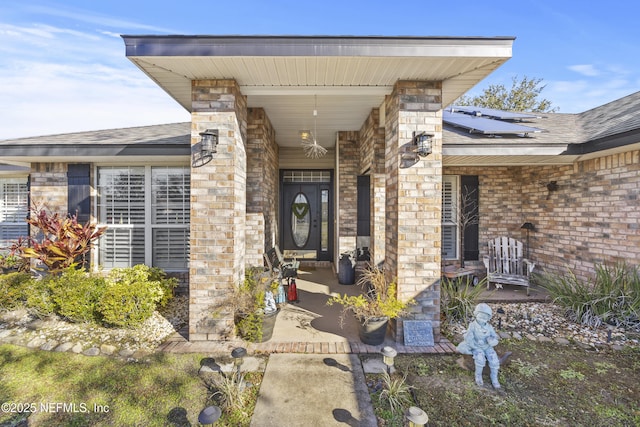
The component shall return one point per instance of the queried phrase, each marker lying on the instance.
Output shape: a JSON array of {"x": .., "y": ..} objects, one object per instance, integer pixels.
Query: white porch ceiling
[{"x": 346, "y": 76}]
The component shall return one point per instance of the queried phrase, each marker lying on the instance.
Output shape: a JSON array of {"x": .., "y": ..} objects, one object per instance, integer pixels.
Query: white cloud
[
  {"x": 97, "y": 19},
  {"x": 585, "y": 69},
  {"x": 58, "y": 80}
]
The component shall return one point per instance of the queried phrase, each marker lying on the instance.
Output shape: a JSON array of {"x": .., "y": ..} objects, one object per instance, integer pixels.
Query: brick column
[
  {"x": 348, "y": 190},
  {"x": 49, "y": 187},
  {"x": 413, "y": 198},
  {"x": 218, "y": 207},
  {"x": 262, "y": 186}
]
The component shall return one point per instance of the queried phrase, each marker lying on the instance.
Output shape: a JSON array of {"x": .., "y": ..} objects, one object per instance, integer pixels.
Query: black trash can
[{"x": 346, "y": 275}]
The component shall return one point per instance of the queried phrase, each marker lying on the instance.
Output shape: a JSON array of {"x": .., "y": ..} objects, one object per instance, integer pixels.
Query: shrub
[
  {"x": 14, "y": 290},
  {"x": 612, "y": 296},
  {"x": 132, "y": 294},
  {"x": 76, "y": 294},
  {"x": 459, "y": 298},
  {"x": 40, "y": 298},
  {"x": 160, "y": 286},
  {"x": 125, "y": 305},
  {"x": 63, "y": 241}
]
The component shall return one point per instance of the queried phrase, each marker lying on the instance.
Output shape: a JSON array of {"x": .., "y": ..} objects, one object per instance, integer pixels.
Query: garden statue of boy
[{"x": 479, "y": 341}]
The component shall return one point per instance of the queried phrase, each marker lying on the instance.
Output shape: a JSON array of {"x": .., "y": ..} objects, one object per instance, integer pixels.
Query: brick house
[{"x": 364, "y": 98}]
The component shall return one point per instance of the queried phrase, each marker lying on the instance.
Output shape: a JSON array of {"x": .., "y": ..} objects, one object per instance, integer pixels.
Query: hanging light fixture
[{"x": 309, "y": 143}]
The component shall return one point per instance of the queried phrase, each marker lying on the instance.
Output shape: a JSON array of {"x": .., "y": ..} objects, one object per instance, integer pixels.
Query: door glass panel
[
  {"x": 300, "y": 220},
  {"x": 324, "y": 221}
]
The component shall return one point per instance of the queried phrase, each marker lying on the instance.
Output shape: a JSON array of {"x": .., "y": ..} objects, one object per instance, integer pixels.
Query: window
[
  {"x": 14, "y": 206},
  {"x": 147, "y": 212},
  {"x": 450, "y": 185},
  {"x": 460, "y": 217}
]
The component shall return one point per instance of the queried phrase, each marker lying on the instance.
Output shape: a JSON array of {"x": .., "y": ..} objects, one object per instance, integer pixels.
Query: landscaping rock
[
  {"x": 93, "y": 351},
  {"x": 64, "y": 347},
  {"x": 36, "y": 342},
  {"x": 126, "y": 353},
  {"x": 49, "y": 345},
  {"x": 77, "y": 348},
  {"x": 107, "y": 349}
]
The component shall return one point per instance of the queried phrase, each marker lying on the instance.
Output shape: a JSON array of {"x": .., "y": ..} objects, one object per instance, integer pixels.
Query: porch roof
[
  {"x": 162, "y": 143},
  {"x": 342, "y": 77}
]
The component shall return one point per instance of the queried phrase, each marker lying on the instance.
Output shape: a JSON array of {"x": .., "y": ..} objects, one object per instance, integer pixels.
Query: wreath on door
[{"x": 300, "y": 210}]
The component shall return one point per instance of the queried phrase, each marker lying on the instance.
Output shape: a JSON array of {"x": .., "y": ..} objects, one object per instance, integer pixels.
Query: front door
[{"x": 305, "y": 209}]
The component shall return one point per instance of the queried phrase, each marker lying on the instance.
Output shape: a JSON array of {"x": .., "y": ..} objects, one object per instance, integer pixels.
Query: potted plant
[
  {"x": 254, "y": 306},
  {"x": 375, "y": 307}
]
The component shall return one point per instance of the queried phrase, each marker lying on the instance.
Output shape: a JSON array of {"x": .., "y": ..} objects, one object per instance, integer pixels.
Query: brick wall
[
  {"x": 413, "y": 198},
  {"x": 262, "y": 186},
  {"x": 592, "y": 218}
]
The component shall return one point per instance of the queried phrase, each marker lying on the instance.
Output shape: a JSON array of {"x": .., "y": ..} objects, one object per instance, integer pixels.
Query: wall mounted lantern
[
  {"x": 202, "y": 152},
  {"x": 422, "y": 141}
]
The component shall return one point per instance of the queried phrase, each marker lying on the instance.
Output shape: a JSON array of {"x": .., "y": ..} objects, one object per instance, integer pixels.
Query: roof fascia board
[
  {"x": 314, "y": 46},
  {"x": 504, "y": 150},
  {"x": 606, "y": 143},
  {"x": 22, "y": 152}
]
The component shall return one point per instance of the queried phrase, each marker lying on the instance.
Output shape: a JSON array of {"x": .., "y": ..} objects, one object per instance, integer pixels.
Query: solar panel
[
  {"x": 486, "y": 126},
  {"x": 492, "y": 112}
]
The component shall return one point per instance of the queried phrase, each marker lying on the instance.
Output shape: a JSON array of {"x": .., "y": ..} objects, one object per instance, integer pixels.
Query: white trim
[{"x": 455, "y": 181}]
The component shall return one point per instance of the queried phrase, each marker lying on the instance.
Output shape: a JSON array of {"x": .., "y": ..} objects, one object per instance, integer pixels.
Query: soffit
[{"x": 343, "y": 78}]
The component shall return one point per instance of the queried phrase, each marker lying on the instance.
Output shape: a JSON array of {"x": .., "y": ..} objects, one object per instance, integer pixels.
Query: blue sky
[{"x": 63, "y": 67}]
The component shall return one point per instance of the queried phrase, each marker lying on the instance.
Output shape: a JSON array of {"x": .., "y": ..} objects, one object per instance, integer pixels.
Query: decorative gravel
[
  {"x": 54, "y": 334},
  {"x": 546, "y": 322},
  {"x": 534, "y": 321}
]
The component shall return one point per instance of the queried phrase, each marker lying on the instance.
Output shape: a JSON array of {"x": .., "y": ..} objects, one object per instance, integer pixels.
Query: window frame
[
  {"x": 148, "y": 226},
  {"x": 454, "y": 222},
  {"x": 20, "y": 180}
]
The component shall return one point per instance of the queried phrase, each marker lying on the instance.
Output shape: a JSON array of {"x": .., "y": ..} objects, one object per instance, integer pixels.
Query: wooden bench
[{"x": 506, "y": 265}]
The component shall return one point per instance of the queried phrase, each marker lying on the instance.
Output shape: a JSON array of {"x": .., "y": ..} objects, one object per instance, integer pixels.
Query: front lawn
[
  {"x": 545, "y": 384},
  {"x": 64, "y": 389}
]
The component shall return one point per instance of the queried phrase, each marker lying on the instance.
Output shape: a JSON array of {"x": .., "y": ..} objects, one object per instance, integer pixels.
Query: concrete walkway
[{"x": 313, "y": 390}]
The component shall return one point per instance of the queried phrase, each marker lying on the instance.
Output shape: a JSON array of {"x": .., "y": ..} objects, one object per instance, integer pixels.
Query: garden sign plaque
[{"x": 418, "y": 333}]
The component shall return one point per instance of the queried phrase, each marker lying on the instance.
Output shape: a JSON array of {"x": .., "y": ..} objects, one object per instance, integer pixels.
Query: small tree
[
  {"x": 467, "y": 214},
  {"x": 523, "y": 96},
  {"x": 61, "y": 242}
]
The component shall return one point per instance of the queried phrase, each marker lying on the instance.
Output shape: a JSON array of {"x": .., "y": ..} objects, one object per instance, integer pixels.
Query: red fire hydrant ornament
[{"x": 292, "y": 293}]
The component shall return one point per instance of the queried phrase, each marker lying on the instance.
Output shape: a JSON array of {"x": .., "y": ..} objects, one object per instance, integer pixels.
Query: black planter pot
[
  {"x": 248, "y": 328},
  {"x": 268, "y": 324},
  {"x": 374, "y": 330}
]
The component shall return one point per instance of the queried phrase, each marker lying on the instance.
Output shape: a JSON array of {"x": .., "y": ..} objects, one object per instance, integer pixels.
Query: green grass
[
  {"x": 164, "y": 390},
  {"x": 544, "y": 384}
]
